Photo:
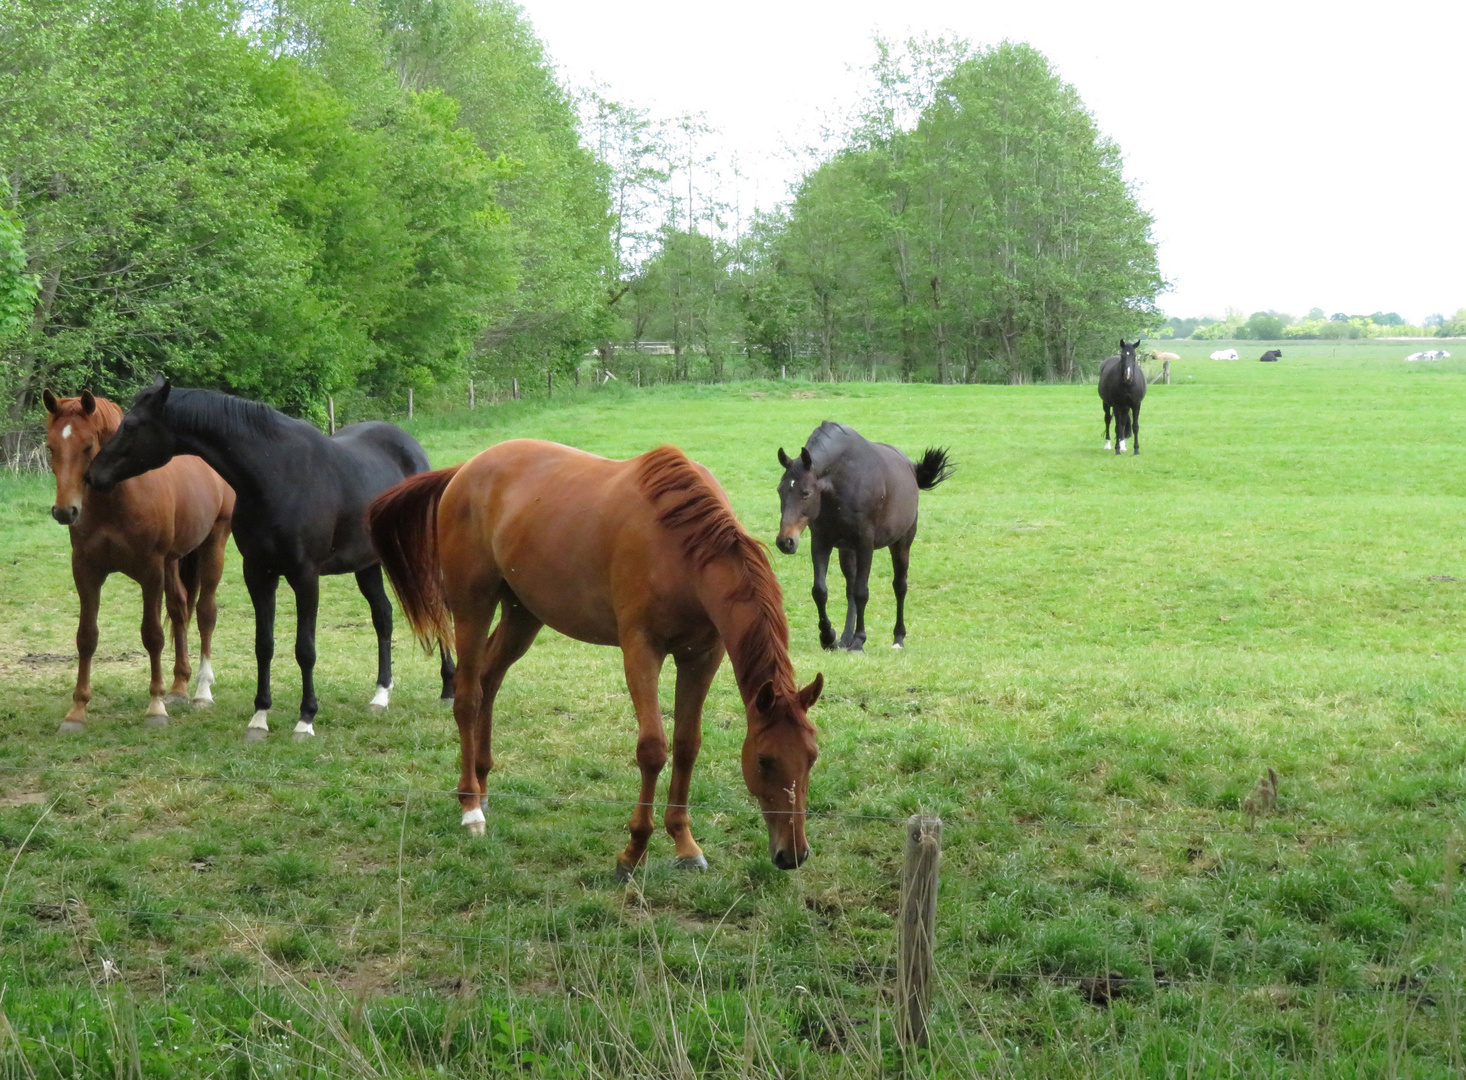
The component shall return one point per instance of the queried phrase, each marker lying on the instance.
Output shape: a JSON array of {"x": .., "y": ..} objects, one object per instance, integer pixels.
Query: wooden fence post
[
  {"x": 331, "y": 411},
  {"x": 515, "y": 391},
  {"x": 470, "y": 395},
  {"x": 550, "y": 383},
  {"x": 783, "y": 371},
  {"x": 1166, "y": 372},
  {"x": 916, "y": 932},
  {"x": 577, "y": 376}
]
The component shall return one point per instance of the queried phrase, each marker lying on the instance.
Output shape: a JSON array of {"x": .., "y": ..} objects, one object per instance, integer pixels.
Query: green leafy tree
[{"x": 17, "y": 286}]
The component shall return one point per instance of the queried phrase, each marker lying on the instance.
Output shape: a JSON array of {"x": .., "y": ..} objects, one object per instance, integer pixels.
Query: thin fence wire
[
  {"x": 1270, "y": 825},
  {"x": 872, "y": 969}
]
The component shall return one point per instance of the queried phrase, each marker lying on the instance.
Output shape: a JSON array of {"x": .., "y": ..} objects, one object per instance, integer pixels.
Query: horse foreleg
[
  {"x": 643, "y": 664},
  {"x": 211, "y": 570},
  {"x": 900, "y": 564},
  {"x": 694, "y": 676},
  {"x": 860, "y": 593},
  {"x": 153, "y": 583},
  {"x": 89, "y": 592},
  {"x": 262, "y": 585},
  {"x": 1135, "y": 426},
  {"x": 850, "y": 570},
  {"x": 369, "y": 581},
  {"x": 175, "y": 595},
  {"x": 1107, "y": 424},
  {"x": 819, "y": 551},
  {"x": 307, "y": 588}
]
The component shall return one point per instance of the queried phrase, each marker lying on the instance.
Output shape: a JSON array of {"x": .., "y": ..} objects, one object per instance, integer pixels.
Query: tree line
[
  {"x": 1277, "y": 326},
  {"x": 325, "y": 197}
]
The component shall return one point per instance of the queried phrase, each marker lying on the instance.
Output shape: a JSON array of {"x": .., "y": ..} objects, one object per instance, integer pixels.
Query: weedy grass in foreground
[{"x": 1104, "y": 656}]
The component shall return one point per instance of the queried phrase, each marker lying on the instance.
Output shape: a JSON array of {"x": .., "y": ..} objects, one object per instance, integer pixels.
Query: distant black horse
[
  {"x": 301, "y": 499},
  {"x": 1122, "y": 389},
  {"x": 856, "y": 496},
  {"x": 1272, "y": 356}
]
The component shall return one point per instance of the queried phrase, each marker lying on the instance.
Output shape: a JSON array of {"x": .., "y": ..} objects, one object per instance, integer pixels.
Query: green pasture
[{"x": 1103, "y": 655}]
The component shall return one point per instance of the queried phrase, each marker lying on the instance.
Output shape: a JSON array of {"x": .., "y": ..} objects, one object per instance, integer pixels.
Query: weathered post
[
  {"x": 515, "y": 391},
  {"x": 638, "y": 378},
  {"x": 577, "y": 376},
  {"x": 783, "y": 371},
  {"x": 331, "y": 412},
  {"x": 550, "y": 384},
  {"x": 1166, "y": 372},
  {"x": 409, "y": 403},
  {"x": 470, "y": 395},
  {"x": 916, "y": 932}
]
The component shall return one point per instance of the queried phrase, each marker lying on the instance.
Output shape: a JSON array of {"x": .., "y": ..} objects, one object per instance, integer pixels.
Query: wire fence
[{"x": 1267, "y": 825}]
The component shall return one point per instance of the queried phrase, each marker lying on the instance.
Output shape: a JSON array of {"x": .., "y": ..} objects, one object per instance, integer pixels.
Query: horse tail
[
  {"x": 934, "y": 467},
  {"x": 403, "y": 525}
]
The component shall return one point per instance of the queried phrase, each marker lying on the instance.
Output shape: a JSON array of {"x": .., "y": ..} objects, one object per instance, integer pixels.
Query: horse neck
[
  {"x": 219, "y": 445},
  {"x": 751, "y": 623}
]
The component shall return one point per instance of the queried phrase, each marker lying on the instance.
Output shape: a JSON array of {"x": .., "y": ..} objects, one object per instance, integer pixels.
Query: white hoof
[
  {"x": 473, "y": 821},
  {"x": 259, "y": 726},
  {"x": 157, "y": 714},
  {"x": 202, "y": 699},
  {"x": 379, "y": 699},
  {"x": 304, "y": 730},
  {"x": 898, "y": 645},
  {"x": 1107, "y": 445},
  {"x": 203, "y": 695},
  {"x": 1122, "y": 446}
]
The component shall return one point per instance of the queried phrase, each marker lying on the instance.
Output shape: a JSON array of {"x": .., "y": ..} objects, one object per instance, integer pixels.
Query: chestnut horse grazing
[
  {"x": 643, "y": 554},
  {"x": 165, "y": 529}
]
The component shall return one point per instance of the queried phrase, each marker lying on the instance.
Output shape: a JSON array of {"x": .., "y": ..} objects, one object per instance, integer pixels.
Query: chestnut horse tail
[{"x": 403, "y": 525}]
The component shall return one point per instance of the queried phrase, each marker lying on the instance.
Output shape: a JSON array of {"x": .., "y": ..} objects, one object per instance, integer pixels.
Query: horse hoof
[
  {"x": 176, "y": 699},
  {"x": 201, "y": 702},
  {"x": 160, "y": 720},
  {"x": 71, "y": 727},
  {"x": 375, "y": 708},
  {"x": 898, "y": 645},
  {"x": 692, "y": 862},
  {"x": 476, "y": 828},
  {"x": 302, "y": 734},
  {"x": 256, "y": 734},
  {"x": 446, "y": 702}
]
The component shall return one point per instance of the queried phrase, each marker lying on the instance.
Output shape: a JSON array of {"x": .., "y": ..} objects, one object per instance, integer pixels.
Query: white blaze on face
[{"x": 66, "y": 432}]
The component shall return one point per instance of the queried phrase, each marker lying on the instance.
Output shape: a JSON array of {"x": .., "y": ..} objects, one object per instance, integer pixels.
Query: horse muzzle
[
  {"x": 788, "y": 858},
  {"x": 66, "y": 515},
  {"x": 787, "y": 544}
]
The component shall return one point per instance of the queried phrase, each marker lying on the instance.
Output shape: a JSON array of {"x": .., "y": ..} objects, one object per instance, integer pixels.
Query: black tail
[{"x": 933, "y": 468}]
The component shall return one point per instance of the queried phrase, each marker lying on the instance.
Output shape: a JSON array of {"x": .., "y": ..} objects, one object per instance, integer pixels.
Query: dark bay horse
[
  {"x": 165, "y": 529},
  {"x": 642, "y": 554},
  {"x": 854, "y": 496},
  {"x": 1122, "y": 389},
  {"x": 302, "y": 497}
]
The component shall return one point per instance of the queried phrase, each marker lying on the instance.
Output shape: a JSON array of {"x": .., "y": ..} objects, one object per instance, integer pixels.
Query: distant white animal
[
  {"x": 1224, "y": 354},
  {"x": 1156, "y": 354},
  {"x": 1414, "y": 357},
  {"x": 1437, "y": 354}
]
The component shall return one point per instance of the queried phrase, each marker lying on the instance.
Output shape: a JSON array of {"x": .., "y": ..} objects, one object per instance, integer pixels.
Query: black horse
[
  {"x": 855, "y": 496},
  {"x": 301, "y": 500},
  {"x": 1122, "y": 389}
]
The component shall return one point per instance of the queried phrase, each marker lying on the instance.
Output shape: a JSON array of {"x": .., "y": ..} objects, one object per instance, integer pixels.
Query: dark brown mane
[
  {"x": 689, "y": 507},
  {"x": 106, "y": 419}
]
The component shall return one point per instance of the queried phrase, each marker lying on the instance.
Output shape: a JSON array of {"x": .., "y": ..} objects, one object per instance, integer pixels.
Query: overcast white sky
[{"x": 1293, "y": 154}]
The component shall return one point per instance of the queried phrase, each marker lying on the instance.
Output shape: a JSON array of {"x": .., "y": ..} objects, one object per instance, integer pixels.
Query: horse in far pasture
[
  {"x": 854, "y": 496},
  {"x": 1272, "y": 356},
  {"x": 1121, "y": 390},
  {"x": 166, "y": 529},
  {"x": 1224, "y": 354},
  {"x": 301, "y": 496}
]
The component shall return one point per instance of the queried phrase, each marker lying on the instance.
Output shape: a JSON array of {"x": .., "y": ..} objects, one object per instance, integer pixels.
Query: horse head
[
  {"x": 799, "y": 498},
  {"x": 1127, "y": 357},
  {"x": 144, "y": 440},
  {"x": 778, "y": 753},
  {"x": 76, "y": 430}
]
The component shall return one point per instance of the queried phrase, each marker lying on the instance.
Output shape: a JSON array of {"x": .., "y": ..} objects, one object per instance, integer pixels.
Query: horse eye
[{"x": 765, "y": 765}]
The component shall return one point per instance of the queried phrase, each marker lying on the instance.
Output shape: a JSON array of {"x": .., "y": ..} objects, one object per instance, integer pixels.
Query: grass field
[{"x": 1103, "y": 656}]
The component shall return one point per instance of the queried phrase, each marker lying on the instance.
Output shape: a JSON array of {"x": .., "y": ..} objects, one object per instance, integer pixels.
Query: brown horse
[
  {"x": 643, "y": 554},
  {"x": 165, "y": 529}
]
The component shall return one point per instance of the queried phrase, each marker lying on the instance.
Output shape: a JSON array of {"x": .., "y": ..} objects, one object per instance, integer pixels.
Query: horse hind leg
[
  {"x": 177, "y": 577},
  {"x": 1107, "y": 425},
  {"x": 472, "y": 603},
  {"x": 643, "y": 664},
  {"x": 510, "y": 640},
  {"x": 369, "y": 581},
  {"x": 900, "y": 564},
  {"x": 1135, "y": 427}
]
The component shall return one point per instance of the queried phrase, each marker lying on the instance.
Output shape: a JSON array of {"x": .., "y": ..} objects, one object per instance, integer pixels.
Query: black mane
[
  {"x": 829, "y": 441},
  {"x": 195, "y": 411}
]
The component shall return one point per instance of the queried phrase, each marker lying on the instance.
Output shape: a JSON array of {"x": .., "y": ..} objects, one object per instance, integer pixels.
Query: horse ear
[
  {"x": 49, "y": 400},
  {"x": 811, "y": 693},
  {"x": 88, "y": 403},
  {"x": 763, "y": 701},
  {"x": 783, "y": 457},
  {"x": 157, "y": 394},
  {"x": 804, "y": 457}
]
